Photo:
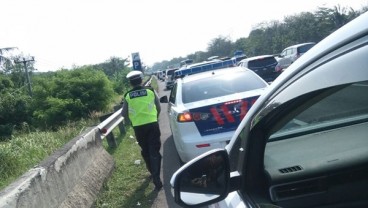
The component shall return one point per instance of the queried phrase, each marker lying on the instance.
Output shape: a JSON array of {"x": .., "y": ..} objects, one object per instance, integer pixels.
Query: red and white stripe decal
[
  {"x": 243, "y": 109},
  {"x": 229, "y": 117},
  {"x": 217, "y": 116}
]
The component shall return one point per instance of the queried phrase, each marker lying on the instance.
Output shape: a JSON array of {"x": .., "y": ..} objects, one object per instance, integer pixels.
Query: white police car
[
  {"x": 205, "y": 108},
  {"x": 303, "y": 143}
]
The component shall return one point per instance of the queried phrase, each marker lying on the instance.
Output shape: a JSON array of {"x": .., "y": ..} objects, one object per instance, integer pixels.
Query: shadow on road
[{"x": 170, "y": 165}]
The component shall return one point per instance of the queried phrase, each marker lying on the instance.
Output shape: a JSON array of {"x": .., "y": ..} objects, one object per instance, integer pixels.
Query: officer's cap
[{"x": 134, "y": 75}]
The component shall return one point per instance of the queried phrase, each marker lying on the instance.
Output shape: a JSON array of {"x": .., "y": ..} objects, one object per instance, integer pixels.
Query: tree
[
  {"x": 113, "y": 66},
  {"x": 301, "y": 28},
  {"x": 241, "y": 44},
  {"x": 71, "y": 95},
  {"x": 198, "y": 56},
  {"x": 331, "y": 19},
  {"x": 220, "y": 46},
  {"x": 5, "y": 58},
  {"x": 14, "y": 107}
]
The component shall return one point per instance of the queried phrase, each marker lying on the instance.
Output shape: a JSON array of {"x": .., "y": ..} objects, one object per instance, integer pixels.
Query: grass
[
  {"x": 129, "y": 185},
  {"x": 26, "y": 150}
]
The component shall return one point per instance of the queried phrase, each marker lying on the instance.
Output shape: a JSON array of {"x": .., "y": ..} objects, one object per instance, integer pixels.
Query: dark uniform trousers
[{"x": 148, "y": 137}]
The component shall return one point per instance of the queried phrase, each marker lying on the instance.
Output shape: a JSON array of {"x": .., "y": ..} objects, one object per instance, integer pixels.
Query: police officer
[{"x": 141, "y": 108}]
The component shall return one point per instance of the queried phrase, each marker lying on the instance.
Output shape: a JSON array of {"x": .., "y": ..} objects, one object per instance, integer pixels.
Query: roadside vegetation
[
  {"x": 28, "y": 149},
  {"x": 129, "y": 185},
  {"x": 61, "y": 104}
]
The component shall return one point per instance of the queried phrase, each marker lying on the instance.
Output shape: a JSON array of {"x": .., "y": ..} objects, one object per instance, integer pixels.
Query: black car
[{"x": 264, "y": 66}]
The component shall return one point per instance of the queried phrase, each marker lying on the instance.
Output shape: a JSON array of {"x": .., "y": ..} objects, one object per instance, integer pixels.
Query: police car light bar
[{"x": 205, "y": 67}]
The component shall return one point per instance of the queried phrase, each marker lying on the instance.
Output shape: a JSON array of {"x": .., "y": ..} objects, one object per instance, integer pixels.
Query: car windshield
[
  {"x": 261, "y": 62},
  {"x": 221, "y": 85},
  {"x": 344, "y": 107}
]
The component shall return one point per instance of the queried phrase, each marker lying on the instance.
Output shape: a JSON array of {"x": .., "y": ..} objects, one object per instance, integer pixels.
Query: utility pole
[{"x": 18, "y": 61}]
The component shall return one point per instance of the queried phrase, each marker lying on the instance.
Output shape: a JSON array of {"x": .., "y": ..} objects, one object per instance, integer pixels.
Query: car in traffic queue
[
  {"x": 161, "y": 75},
  {"x": 303, "y": 143},
  {"x": 290, "y": 54},
  {"x": 169, "y": 78},
  {"x": 205, "y": 108},
  {"x": 263, "y": 65}
]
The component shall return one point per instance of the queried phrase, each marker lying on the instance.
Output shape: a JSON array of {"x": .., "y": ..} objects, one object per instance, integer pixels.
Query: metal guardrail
[{"x": 110, "y": 123}]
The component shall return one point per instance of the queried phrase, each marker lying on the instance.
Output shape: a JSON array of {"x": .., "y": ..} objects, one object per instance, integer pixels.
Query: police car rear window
[
  {"x": 262, "y": 62},
  {"x": 218, "y": 86}
]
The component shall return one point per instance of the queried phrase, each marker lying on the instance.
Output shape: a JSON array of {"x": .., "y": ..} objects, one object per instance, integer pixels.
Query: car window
[
  {"x": 173, "y": 94},
  {"x": 220, "y": 86},
  {"x": 290, "y": 51},
  {"x": 258, "y": 63},
  {"x": 171, "y": 72},
  {"x": 283, "y": 53},
  {"x": 287, "y": 52},
  {"x": 305, "y": 48},
  {"x": 345, "y": 106}
]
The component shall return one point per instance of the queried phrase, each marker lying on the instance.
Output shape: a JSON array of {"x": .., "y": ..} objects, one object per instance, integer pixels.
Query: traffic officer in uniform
[{"x": 141, "y": 107}]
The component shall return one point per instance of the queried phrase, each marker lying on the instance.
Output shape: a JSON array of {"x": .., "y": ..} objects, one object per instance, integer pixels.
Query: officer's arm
[
  {"x": 124, "y": 112},
  {"x": 157, "y": 104}
]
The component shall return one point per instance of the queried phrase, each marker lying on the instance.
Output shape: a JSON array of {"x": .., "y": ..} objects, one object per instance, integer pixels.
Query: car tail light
[
  {"x": 202, "y": 145},
  {"x": 185, "y": 117},
  {"x": 188, "y": 117}
]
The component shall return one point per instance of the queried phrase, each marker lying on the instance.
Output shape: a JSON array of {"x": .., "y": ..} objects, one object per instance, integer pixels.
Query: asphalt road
[{"x": 170, "y": 159}]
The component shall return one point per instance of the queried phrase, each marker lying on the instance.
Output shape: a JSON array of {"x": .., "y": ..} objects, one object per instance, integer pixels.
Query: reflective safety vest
[{"x": 141, "y": 103}]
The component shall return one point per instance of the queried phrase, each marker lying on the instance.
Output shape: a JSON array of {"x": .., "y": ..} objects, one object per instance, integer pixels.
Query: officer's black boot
[{"x": 156, "y": 169}]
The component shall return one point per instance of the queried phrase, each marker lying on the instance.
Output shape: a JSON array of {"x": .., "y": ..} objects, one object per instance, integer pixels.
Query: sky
[{"x": 68, "y": 33}]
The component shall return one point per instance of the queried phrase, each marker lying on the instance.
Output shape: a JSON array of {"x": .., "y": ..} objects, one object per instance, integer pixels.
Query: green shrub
[
  {"x": 6, "y": 131},
  {"x": 71, "y": 95},
  {"x": 14, "y": 110},
  {"x": 58, "y": 111}
]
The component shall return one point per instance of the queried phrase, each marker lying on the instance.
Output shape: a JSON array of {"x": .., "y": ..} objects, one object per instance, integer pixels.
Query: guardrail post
[
  {"x": 121, "y": 125},
  {"x": 110, "y": 137}
]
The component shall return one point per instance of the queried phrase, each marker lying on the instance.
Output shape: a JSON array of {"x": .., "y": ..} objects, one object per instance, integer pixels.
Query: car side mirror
[
  {"x": 203, "y": 180},
  {"x": 164, "y": 99}
]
